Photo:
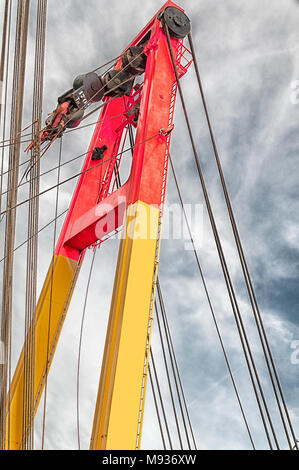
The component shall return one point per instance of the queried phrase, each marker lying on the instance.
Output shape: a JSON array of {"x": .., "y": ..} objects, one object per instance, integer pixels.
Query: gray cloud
[{"x": 248, "y": 56}]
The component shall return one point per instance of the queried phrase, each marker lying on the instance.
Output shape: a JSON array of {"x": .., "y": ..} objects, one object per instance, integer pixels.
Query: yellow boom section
[
  {"x": 118, "y": 413},
  {"x": 58, "y": 287}
]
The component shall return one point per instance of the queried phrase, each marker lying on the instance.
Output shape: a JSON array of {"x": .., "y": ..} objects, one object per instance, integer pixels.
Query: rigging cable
[
  {"x": 80, "y": 344},
  {"x": 69, "y": 161},
  {"x": 162, "y": 310},
  {"x": 253, "y": 300},
  {"x": 78, "y": 174},
  {"x": 12, "y": 140},
  {"x": 51, "y": 298},
  {"x": 156, "y": 406},
  {"x": 176, "y": 373},
  {"x": 5, "y": 40},
  {"x": 168, "y": 377},
  {"x": 236, "y": 311},
  {"x": 39, "y": 231},
  {"x": 160, "y": 397},
  {"x": 22, "y": 21},
  {"x": 3, "y": 50},
  {"x": 210, "y": 305},
  {"x": 32, "y": 249},
  {"x": 50, "y": 170},
  {"x": 1, "y": 186}
]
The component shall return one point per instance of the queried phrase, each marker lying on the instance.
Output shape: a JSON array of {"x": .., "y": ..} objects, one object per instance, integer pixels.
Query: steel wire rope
[
  {"x": 237, "y": 315},
  {"x": 3, "y": 47},
  {"x": 175, "y": 369},
  {"x": 160, "y": 397},
  {"x": 5, "y": 39},
  {"x": 18, "y": 139},
  {"x": 68, "y": 161},
  {"x": 32, "y": 250},
  {"x": 156, "y": 406},
  {"x": 9, "y": 19},
  {"x": 251, "y": 293},
  {"x": 79, "y": 174},
  {"x": 80, "y": 344},
  {"x": 210, "y": 305},
  {"x": 50, "y": 170},
  {"x": 50, "y": 303},
  {"x": 67, "y": 132},
  {"x": 162, "y": 310},
  {"x": 12, "y": 140},
  {"x": 22, "y": 21},
  {"x": 168, "y": 378},
  {"x": 39, "y": 231}
]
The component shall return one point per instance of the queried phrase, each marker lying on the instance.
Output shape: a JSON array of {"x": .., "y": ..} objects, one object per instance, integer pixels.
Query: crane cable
[
  {"x": 22, "y": 21},
  {"x": 78, "y": 174},
  {"x": 236, "y": 311},
  {"x": 65, "y": 163},
  {"x": 32, "y": 249},
  {"x": 3, "y": 48},
  {"x": 153, "y": 366},
  {"x": 168, "y": 378},
  {"x": 156, "y": 406},
  {"x": 5, "y": 45},
  {"x": 51, "y": 299},
  {"x": 80, "y": 344},
  {"x": 210, "y": 305},
  {"x": 4, "y": 328},
  {"x": 175, "y": 369},
  {"x": 39, "y": 231},
  {"x": 174, "y": 374},
  {"x": 253, "y": 300}
]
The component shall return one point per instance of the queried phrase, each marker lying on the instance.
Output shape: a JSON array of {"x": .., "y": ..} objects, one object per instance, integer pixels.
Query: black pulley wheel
[{"x": 177, "y": 22}]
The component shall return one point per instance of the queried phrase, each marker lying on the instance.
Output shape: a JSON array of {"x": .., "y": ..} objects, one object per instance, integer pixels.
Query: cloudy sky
[{"x": 248, "y": 54}]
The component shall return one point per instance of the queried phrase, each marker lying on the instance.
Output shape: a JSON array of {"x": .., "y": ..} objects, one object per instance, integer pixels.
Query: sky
[{"x": 248, "y": 54}]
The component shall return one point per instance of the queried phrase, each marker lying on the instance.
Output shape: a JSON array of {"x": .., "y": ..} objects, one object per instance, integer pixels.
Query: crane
[
  {"x": 100, "y": 209},
  {"x": 137, "y": 97}
]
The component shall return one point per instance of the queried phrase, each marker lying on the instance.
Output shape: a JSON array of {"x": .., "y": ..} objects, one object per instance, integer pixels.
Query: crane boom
[{"x": 96, "y": 212}]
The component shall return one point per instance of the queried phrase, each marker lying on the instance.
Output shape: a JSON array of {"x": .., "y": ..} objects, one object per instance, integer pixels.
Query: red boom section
[{"x": 95, "y": 210}]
